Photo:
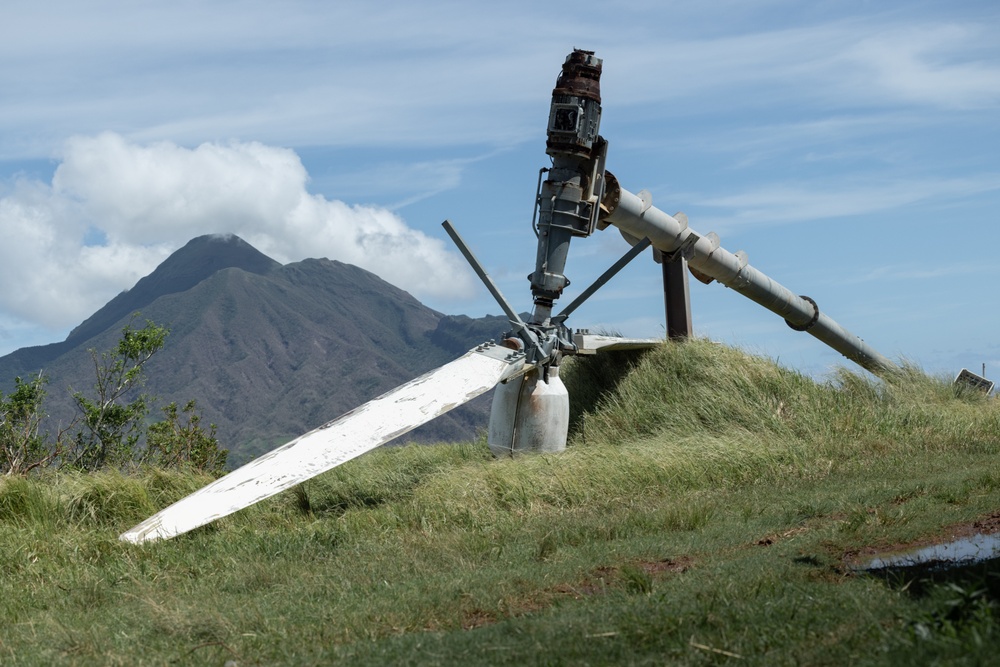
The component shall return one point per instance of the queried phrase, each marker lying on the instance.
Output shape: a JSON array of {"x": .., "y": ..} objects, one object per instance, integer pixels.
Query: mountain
[
  {"x": 184, "y": 269},
  {"x": 267, "y": 350}
]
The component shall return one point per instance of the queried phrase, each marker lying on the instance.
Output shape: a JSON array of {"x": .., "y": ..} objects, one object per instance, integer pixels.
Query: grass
[{"x": 708, "y": 511}]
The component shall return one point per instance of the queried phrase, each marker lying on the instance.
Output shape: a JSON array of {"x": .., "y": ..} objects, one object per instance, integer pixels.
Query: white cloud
[
  {"x": 911, "y": 272},
  {"x": 869, "y": 62},
  {"x": 145, "y": 201},
  {"x": 293, "y": 74},
  {"x": 414, "y": 181},
  {"x": 826, "y": 138},
  {"x": 934, "y": 65},
  {"x": 447, "y": 73},
  {"x": 148, "y": 194},
  {"x": 776, "y": 204},
  {"x": 50, "y": 278}
]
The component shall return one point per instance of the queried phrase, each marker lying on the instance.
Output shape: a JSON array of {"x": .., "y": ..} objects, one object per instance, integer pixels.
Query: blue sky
[{"x": 850, "y": 148}]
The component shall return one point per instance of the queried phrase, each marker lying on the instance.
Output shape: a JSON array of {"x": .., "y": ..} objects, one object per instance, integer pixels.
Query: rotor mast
[{"x": 569, "y": 201}]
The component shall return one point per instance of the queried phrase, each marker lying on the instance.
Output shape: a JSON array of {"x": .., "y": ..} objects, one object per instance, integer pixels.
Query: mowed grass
[{"x": 709, "y": 510}]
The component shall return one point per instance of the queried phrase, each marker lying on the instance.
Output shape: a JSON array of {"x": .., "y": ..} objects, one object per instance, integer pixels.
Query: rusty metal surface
[
  {"x": 677, "y": 299},
  {"x": 363, "y": 429},
  {"x": 580, "y": 75}
]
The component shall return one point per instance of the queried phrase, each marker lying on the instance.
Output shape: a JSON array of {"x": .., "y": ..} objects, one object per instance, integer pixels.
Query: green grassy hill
[{"x": 709, "y": 510}]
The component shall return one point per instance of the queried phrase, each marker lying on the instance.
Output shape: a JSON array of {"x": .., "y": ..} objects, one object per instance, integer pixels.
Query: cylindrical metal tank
[{"x": 529, "y": 414}]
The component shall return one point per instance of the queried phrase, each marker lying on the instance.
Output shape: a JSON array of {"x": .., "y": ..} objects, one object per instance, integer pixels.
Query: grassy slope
[{"x": 708, "y": 507}]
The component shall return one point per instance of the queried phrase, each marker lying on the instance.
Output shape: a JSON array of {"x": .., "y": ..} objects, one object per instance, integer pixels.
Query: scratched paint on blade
[{"x": 336, "y": 442}]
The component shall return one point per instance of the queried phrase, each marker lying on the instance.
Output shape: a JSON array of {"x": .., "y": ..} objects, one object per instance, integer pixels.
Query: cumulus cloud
[{"x": 115, "y": 209}]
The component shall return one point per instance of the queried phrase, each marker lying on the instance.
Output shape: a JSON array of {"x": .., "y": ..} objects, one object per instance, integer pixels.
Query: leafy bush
[
  {"x": 22, "y": 447},
  {"x": 112, "y": 427},
  {"x": 110, "y": 430},
  {"x": 170, "y": 443}
]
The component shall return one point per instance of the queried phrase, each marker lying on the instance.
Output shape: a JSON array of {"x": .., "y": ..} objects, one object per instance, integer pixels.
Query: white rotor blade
[
  {"x": 360, "y": 430},
  {"x": 588, "y": 343}
]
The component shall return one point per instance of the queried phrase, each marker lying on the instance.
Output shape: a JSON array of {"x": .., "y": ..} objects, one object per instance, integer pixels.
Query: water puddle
[
  {"x": 959, "y": 553},
  {"x": 970, "y": 564}
]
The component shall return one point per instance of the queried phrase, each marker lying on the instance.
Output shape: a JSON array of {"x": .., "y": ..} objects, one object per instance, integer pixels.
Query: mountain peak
[
  {"x": 204, "y": 255},
  {"x": 197, "y": 260}
]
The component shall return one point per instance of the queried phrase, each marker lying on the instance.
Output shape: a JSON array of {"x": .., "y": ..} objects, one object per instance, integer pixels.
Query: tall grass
[{"x": 710, "y": 504}]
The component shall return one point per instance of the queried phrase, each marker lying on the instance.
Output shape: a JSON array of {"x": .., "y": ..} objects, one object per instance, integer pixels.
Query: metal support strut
[{"x": 634, "y": 215}]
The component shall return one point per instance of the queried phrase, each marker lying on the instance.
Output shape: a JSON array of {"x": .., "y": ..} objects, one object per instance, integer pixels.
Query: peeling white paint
[
  {"x": 350, "y": 435},
  {"x": 588, "y": 343}
]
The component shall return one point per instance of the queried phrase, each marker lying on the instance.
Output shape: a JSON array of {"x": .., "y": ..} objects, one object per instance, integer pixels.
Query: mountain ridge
[{"x": 267, "y": 350}]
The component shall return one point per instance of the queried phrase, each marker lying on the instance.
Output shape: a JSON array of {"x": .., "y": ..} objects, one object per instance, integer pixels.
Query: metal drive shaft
[{"x": 636, "y": 216}]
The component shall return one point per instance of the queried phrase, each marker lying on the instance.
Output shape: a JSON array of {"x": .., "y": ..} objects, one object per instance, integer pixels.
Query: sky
[{"x": 850, "y": 148}]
